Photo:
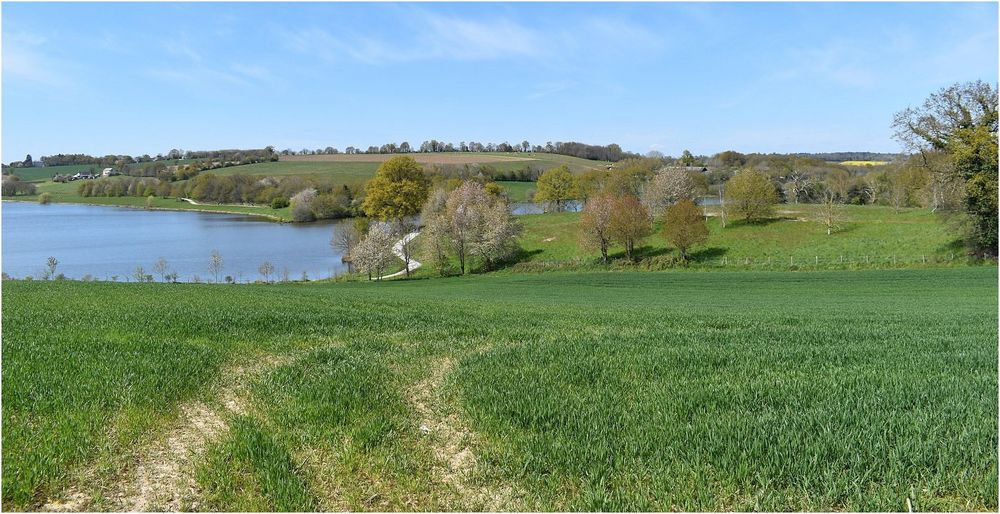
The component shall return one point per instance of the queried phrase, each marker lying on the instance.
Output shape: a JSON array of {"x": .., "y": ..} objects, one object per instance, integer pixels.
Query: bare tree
[
  {"x": 215, "y": 264},
  {"x": 50, "y": 264},
  {"x": 345, "y": 238},
  {"x": 830, "y": 213},
  {"x": 161, "y": 268},
  {"x": 265, "y": 269}
]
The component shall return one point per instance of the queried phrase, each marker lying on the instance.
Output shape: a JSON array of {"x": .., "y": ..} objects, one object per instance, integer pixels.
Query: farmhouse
[
  {"x": 108, "y": 172},
  {"x": 83, "y": 176}
]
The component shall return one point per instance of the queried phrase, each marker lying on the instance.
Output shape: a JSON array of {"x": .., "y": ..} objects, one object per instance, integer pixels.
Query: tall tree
[
  {"x": 397, "y": 192},
  {"x": 962, "y": 120}
]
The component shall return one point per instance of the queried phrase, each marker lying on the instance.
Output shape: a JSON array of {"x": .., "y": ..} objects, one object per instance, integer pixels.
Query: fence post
[
  {"x": 923, "y": 258},
  {"x": 791, "y": 260},
  {"x": 817, "y": 260}
]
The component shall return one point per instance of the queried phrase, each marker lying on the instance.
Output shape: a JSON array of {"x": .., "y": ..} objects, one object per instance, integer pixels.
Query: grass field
[
  {"x": 871, "y": 236},
  {"x": 46, "y": 173},
  {"x": 361, "y": 167},
  {"x": 843, "y": 390}
]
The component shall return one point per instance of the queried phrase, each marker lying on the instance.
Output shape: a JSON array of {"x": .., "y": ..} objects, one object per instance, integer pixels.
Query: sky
[{"x": 786, "y": 77}]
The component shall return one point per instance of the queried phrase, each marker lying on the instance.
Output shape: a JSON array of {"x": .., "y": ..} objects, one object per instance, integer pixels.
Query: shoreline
[{"x": 268, "y": 217}]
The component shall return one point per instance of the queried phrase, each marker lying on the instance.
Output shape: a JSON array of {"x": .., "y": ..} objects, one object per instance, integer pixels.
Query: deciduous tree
[
  {"x": 556, "y": 185},
  {"x": 684, "y": 226},
  {"x": 595, "y": 224},
  {"x": 751, "y": 195},
  {"x": 629, "y": 222},
  {"x": 666, "y": 188}
]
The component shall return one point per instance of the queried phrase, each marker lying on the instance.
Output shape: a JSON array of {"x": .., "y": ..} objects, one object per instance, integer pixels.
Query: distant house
[
  {"x": 83, "y": 176},
  {"x": 108, "y": 172}
]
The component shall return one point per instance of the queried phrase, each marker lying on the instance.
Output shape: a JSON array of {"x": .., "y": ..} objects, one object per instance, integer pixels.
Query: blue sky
[{"x": 145, "y": 78}]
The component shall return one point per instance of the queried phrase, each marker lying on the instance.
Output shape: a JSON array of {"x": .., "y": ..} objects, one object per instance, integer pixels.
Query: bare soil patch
[
  {"x": 452, "y": 442},
  {"x": 423, "y": 158},
  {"x": 162, "y": 477}
]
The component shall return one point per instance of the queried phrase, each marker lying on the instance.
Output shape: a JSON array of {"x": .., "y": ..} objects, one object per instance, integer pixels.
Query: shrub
[
  {"x": 279, "y": 203},
  {"x": 45, "y": 198}
]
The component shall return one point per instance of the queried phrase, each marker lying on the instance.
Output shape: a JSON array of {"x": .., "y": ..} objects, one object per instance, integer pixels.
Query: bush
[
  {"x": 279, "y": 203},
  {"x": 45, "y": 198}
]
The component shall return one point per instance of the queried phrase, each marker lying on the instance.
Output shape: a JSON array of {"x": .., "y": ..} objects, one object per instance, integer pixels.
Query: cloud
[
  {"x": 434, "y": 36},
  {"x": 548, "y": 88},
  {"x": 25, "y": 58},
  {"x": 837, "y": 62}
]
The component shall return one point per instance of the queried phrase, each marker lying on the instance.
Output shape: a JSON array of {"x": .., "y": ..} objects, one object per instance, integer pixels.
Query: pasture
[
  {"x": 581, "y": 391},
  {"x": 870, "y": 236}
]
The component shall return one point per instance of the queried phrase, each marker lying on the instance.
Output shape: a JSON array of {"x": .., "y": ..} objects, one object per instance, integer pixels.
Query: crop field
[
  {"x": 871, "y": 236},
  {"x": 833, "y": 390},
  {"x": 864, "y": 163}
]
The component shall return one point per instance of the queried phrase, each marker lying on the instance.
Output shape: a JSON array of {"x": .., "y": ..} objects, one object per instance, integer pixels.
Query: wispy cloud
[
  {"x": 436, "y": 36},
  {"x": 25, "y": 58},
  {"x": 838, "y": 62},
  {"x": 544, "y": 89}
]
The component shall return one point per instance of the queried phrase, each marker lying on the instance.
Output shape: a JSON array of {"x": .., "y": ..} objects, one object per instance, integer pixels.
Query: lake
[{"x": 106, "y": 242}]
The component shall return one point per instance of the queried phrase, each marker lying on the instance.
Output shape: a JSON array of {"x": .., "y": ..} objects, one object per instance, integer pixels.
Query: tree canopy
[{"x": 398, "y": 189}]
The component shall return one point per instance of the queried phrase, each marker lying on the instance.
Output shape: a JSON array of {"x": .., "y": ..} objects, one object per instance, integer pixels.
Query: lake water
[
  {"x": 108, "y": 242},
  {"x": 111, "y": 241}
]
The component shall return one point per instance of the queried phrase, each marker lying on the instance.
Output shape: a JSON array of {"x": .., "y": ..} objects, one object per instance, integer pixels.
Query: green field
[
  {"x": 837, "y": 390},
  {"x": 46, "y": 173},
  {"x": 360, "y": 171},
  {"x": 872, "y": 236}
]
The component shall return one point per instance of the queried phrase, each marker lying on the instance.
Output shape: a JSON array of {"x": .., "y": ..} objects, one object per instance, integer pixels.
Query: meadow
[
  {"x": 870, "y": 236},
  {"x": 832, "y": 390},
  {"x": 361, "y": 167}
]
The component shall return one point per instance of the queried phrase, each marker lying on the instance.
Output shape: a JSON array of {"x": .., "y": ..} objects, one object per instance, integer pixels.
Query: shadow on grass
[
  {"x": 712, "y": 252},
  {"x": 757, "y": 223}
]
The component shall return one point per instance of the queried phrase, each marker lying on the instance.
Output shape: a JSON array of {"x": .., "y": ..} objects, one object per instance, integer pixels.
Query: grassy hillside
[
  {"x": 46, "y": 173},
  {"x": 872, "y": 236},
  {"x": 360, "y": 171},
  {"x": 584, "y": 391}
]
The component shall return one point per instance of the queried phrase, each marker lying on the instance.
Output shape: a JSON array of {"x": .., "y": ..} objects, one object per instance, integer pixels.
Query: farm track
[
  {"x": 162, "y": 476},
  {"x": 452, "y": 442}
]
